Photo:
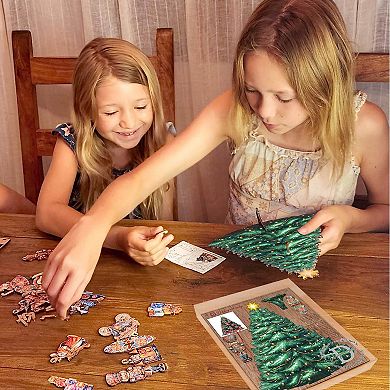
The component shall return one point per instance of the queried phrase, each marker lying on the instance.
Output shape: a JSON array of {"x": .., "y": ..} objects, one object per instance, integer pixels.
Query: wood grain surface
[{"x": 353, "y": 288}]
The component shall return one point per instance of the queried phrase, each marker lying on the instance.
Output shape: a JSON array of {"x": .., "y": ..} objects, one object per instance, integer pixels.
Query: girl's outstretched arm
[
  {"x": 169, "y": 195},
  {"x": 56, "y": 217},
  {"x": 71, "y": 265},
  {"x": 372, "y": 153}
]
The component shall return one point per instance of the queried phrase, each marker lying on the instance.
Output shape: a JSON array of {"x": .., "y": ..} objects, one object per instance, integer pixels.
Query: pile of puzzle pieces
[{"x": 142, "y": 353}]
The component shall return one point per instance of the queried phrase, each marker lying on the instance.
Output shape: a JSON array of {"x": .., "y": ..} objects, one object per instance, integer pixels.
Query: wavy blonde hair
[
  {"x": 309, "y": 39},
  {"x": 100, "y": 59}
]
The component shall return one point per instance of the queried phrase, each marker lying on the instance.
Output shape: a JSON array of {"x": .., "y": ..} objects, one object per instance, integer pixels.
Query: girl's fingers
[
  {"x": 150, "y": 232},
  {"x": 160, "y": 256},
  {"x": 159, "y": 245},
  {"x": 321, "y": 218},
  {"x": 72, "y": 285},
  {"x": 144, "y": 258},
  {"x": 55, "y": 286},
  {"x": 156, "y": 230},
  {"x": 152, "y": 243},
  {"x": 157, "y": 258},
  {"x": 331, "y": 238},
  {"x": 144, "y": 237},
  {"x": 49, "y": 271},
  {"x": 324, "y": 247},
  {"x": 312, "y": 225},
  {"x": 139, "y": 254},
  {"x": 78, "y": 293}
]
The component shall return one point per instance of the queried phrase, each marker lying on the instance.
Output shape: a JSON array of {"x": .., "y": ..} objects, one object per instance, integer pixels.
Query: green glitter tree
[
  {"x": 228, "y": 326},
  {"x": 277, "y": 300},
  {"x": 277, "y": 244},
  {"x": 288, "y": 355}
]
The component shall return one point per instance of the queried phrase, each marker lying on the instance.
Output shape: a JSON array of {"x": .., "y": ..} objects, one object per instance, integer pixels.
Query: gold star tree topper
[{"x": 253, "y": 306}]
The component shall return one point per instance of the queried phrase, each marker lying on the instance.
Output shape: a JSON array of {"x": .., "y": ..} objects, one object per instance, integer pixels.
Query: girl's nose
[
  {"x": 266, "y": 109},
  {"x": 128, "y": 120}
]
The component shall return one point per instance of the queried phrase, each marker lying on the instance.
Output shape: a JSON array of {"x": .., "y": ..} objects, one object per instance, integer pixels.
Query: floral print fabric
[{"x": 283, "y": 182}]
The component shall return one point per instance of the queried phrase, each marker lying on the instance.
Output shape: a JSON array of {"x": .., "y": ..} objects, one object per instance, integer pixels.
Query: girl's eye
[
  {"x": 141, "y": 107},
  {"x": 283, "y": 100},
  {"x": 248, "y": 90},
  {"x": 110, "y": 113}
]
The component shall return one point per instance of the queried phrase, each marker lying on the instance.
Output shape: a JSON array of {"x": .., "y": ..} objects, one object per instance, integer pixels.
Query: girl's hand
[
  {"x": 146, "y": 245},
  {"x": 334, "y": 222},
  {"x": 70, "y": 266}
]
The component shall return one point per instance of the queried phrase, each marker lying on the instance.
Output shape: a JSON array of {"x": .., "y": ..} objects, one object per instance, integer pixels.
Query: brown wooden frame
[
  {"x": 31, "y": 71},
  {"x": 373, "y": 68}
]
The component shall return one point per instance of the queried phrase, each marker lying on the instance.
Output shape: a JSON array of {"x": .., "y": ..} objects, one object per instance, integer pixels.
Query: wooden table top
[{"x": 353, "y": 287}]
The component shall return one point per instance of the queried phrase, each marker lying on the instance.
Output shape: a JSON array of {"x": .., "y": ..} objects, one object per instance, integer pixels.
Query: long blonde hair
[
  {"x": 100, "y": 59},
  {"x": 309, "y": 39}
]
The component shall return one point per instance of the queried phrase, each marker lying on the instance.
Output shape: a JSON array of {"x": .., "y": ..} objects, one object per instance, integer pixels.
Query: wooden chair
[
  {"x": 31, "y": 71},
  {"x": 370, "y": 67}
]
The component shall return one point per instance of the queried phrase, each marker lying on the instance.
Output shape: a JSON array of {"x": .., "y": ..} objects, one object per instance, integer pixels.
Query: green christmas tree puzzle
[
  {"x": 276, "y": 243},
  {"x": 288, "y": 355}
]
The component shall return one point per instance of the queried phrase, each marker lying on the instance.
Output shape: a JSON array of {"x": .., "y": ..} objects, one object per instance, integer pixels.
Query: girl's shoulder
[
  {"x": 371, "y": 131},
  {"x": 371, "y": 121},
  {"x": 66, "y": 132}
]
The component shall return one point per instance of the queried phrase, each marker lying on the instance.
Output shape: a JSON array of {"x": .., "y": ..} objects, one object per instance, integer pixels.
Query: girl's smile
[
  {"x": 124, "y": 113},
  {"x": 126, "y": 134}
]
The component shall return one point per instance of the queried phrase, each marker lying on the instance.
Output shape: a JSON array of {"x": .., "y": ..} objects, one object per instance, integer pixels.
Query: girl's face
[
  {"x": 124, "y": 112},
  {"x": 270, "y": 95}
]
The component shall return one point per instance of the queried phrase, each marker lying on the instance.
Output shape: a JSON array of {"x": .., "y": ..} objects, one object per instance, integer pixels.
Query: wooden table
[{"x": 353, "y": 288}]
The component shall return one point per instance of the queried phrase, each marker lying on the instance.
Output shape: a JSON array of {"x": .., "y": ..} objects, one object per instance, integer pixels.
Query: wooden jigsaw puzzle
[{"x": 278, "y": 338}]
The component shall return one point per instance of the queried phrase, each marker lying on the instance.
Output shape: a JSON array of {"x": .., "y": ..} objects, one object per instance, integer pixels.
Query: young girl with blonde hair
[
  {"x": 117, "y": 123},
  {"x": 300, "y": 137}
]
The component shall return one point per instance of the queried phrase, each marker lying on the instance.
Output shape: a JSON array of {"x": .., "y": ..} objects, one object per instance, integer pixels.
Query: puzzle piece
[
  {"x": 143, "y": 356},
  {"x": 87, "y": 300},
  {"x": 129, "y": 344},
  {"x": 134, "y": 374},
  {"x": 159, "y": 309},
  {"x": 17, "y": 282},
  {"x": 69, "y": 383},
  {"x": 125, "y": 326},
  {"x": 69, "y": 348}
]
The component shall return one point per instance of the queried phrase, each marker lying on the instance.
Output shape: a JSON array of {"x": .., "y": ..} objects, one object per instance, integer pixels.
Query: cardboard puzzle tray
[{"x": 228, "y": 321}]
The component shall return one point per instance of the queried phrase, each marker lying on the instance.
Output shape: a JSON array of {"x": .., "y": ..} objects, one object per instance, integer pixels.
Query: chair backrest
[
  {"x": 370, "y": 67},
  {"x": 31, "y": 71}
]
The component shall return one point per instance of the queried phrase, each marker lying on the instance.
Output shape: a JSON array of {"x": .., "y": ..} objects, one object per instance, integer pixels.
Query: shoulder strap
[
  {"x": 66, "y": 132},
  {"x": 171, "y": 128},
  {"x": 359, "y": 99}
]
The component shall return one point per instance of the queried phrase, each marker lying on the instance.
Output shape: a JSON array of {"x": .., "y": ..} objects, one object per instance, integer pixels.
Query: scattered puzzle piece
[
  {"x": 125, "y": 326},
  {"x": 134, "y": 374},
  {"x": 129, "y": 344},
  {"x": 69, "y": 348},
  {"x": 41, "y": 254},
  {"x": 143, "y": 356},
  {"x": 69, "y": 383},
  {"x": 159, "y": 309}
]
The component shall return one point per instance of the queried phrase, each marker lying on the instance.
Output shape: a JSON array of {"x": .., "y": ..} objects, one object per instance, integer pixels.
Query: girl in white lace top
[{"x": 299, "y": 139}]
